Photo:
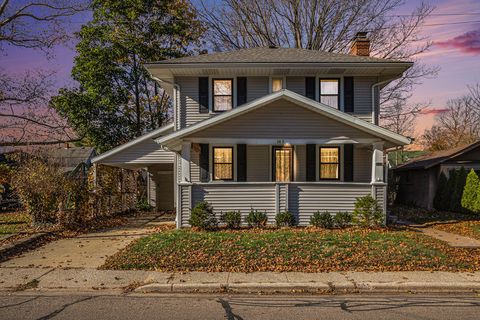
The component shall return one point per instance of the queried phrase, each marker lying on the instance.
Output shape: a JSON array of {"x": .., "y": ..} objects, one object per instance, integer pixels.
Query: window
[
  {"x": 282, "y": 164},
  {"x": 277, "y": 84},
  {"x": 329, "y": 163},
  {"x": 329, "y": 92},
  {"x": 222, "y": 163},
  {"x": 222, "y": 94}
]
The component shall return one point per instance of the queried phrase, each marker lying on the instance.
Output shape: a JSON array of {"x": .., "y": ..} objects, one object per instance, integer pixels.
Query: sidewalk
[{"x": 141, "y": 282}]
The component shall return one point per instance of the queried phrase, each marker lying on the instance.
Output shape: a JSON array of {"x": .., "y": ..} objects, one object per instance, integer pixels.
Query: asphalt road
[{"x": 237, "y": 307}]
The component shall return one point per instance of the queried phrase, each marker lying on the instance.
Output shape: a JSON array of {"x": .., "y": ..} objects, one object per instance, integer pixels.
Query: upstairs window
[
  {"x": 329, "y": 163},
  {"x": 222, "y": 94},
  {"x": 222, "y": 163},
  {"x": 329, "y": 92},
  {"x": 277, "y": 84}
]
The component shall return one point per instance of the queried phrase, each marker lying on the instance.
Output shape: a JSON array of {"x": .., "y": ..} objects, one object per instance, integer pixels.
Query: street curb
[{"x": 308, "y": 287}]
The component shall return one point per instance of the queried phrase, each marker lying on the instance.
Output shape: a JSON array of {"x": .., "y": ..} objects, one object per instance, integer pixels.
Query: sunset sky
[{"x": 454, "y": 28}]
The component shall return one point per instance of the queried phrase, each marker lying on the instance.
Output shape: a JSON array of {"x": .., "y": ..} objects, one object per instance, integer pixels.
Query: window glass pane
[
  {"x": 223, "y": 155},
  {"x": 331, "y": 101},
  {"x": 283, "y": 164},
  {"x": 329, "y": 155},
  {"x": 328, "y": 87},
  {"x": 329, "y": 171},
  {"x": 223, "y": 171},
  {"x": 277, "y": 85},
  {"x": 223, "y": 163},
  {"x": 222, "y": 103},
  {"x": 222, "y": 87}
]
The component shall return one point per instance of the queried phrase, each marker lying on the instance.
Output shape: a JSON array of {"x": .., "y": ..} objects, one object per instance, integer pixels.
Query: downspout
[{"x": 375, "y": 85}]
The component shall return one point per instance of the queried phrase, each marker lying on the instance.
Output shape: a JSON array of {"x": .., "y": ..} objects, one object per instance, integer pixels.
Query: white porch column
[
  {"x": 377, "y": 162},
  {"x": 185, "y": 161}
]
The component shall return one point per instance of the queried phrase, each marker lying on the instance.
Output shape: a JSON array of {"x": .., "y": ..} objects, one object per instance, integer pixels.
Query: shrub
[
  {"x": 322, "y": 220},
  {"x": 202, "y": 216},
  {"x": 342, "y": 219},
  {"x": 441, "y": 194},
  {"x": 285, "y": 219},
  {"x": 470, "y": 192},
  {"x": 143, "y": 205},
  {"x": 257, "y": 219},
  {"x": 232, "y": 219},
  {"x": 367, "y": 212}
]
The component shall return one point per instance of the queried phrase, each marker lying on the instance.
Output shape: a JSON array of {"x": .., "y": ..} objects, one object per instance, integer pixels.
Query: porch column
[
  {"x": 377, "y": 162},
  {"x": 185, "y": 162}
]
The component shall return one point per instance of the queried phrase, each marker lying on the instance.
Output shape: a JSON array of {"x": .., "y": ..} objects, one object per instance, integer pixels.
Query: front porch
[{"x": 303, "y": 199}]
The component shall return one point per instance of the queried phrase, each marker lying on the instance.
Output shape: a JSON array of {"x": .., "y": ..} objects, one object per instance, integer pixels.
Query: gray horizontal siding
[
  {"x": 305, "y": 200},
  {"x": 362, "y": 164},
  {"x": 380, "y": 194},
  {"x": 257, "y": 87},
  {"x": 189, "y": 107},
  {"x": 275, "y": 121},
  {"x": 296, "y": 84},
  {"x": 195, "y": 164},
  {"x": 258, "y": 163},
  {"x": 185, "y": 198},
  {"x": 147, "y": 152},
  {"x": 363, "y": 97}
]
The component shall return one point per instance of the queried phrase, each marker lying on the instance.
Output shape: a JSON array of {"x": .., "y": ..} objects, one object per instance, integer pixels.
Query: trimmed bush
[
  {"x": 143, "y": 205},
  {"x": 202, "y": 216},
  {"x": 342, "y": 219},
  {"x": 257, "y": 219},
  {"x": 322, "y": 220},
  {"x": 441, "y": 195},
  {"x": 232, "y": 219},
  {"x": 285, "y": 219},
  {"x": 470, "y": 192},
  {"x": 367, "y": 212}
]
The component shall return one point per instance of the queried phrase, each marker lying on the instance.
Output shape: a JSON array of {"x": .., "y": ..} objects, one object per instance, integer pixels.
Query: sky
[{"x": 454, "y": 28}]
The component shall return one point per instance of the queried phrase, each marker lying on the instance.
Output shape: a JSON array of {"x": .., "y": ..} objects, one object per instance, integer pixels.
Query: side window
[
  {"x": 277, "y": 84},
  {"x": 329, "y": 92},
  {"x": 222, "y": 163},
  {"x": 329, "y": 163},
  {"x": 222, "y": 94}
]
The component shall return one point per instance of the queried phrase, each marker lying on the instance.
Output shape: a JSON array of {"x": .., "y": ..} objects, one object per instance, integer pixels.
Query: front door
[{"x": 282, "y": 164}]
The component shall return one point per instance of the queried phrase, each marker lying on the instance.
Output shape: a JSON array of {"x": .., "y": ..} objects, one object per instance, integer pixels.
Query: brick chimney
[{"x": 360, "y": 45}]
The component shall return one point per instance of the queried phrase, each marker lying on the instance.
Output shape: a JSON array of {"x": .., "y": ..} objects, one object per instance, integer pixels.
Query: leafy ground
[
  {"x": 13, "y": 222},
  {"x": 298, "y": 249},
  {"x": 465, "y": 228},
  {"x": 420, "y": 215}
]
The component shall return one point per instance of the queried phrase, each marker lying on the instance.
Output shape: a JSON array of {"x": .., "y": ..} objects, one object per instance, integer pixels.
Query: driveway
[{"x": 88, "y": 250}]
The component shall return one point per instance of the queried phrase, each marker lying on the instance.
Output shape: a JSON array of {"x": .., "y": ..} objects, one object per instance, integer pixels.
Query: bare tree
[
  {"x": 458, "y": 126},
  {"x": 25, "y": 117},
  {"x": 329, "y": 25}
]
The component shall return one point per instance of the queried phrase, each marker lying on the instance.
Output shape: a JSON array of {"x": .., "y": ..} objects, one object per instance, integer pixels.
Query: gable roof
[
  {"x": 276, "y": 55},
  {"x": 151, "y": 135},
  {"x": 175, "y": 138},
  {"x": 435, "y": 158}
]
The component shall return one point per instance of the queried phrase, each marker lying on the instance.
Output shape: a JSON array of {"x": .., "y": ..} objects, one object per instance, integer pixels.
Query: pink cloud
[
  {"x": 469, "y": 42},
  {"x": 433, "y": 111}
]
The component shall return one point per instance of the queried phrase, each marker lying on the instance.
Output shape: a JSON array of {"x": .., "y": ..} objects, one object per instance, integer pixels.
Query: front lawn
[
  {"x": 298, "y": 249},
  {"x": 13, "y": 222},
  {"x": 465, "y": 228}
]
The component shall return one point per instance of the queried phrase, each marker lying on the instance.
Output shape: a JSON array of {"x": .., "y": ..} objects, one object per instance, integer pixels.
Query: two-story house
[{"x": 272, "y": 129}]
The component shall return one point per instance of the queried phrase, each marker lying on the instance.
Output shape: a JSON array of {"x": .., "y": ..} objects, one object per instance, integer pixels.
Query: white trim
[
  {"x": 151, "y": 135},
  {"x": 297, "y": 99},
  {"x": 335, "y": 140}
]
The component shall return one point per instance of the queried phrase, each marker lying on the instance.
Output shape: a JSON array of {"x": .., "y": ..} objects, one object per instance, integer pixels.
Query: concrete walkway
[
  {"x": 115, "y": 282},
  {"x": 452, "y": 239},
  {"x": 88, "y": 250}
]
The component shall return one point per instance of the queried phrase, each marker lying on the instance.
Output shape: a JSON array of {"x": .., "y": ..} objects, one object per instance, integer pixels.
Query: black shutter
[
  {"x": 241, "y": 162},
  {"x": 310, "y": 87},
  {"x": 204, "y": 163},
  {"x": 348, "y": 94},
  {"x": 203, "y": 94},
  {"x": 241, "y": 90},
  {"x": 311, "y": 162},
  {"x": 348, "y": 162}
]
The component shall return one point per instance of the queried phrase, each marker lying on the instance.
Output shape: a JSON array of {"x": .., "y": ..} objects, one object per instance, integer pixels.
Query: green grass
[
  {"x": 306, "y": 250},
  {"x": 13, "y": 222}
]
